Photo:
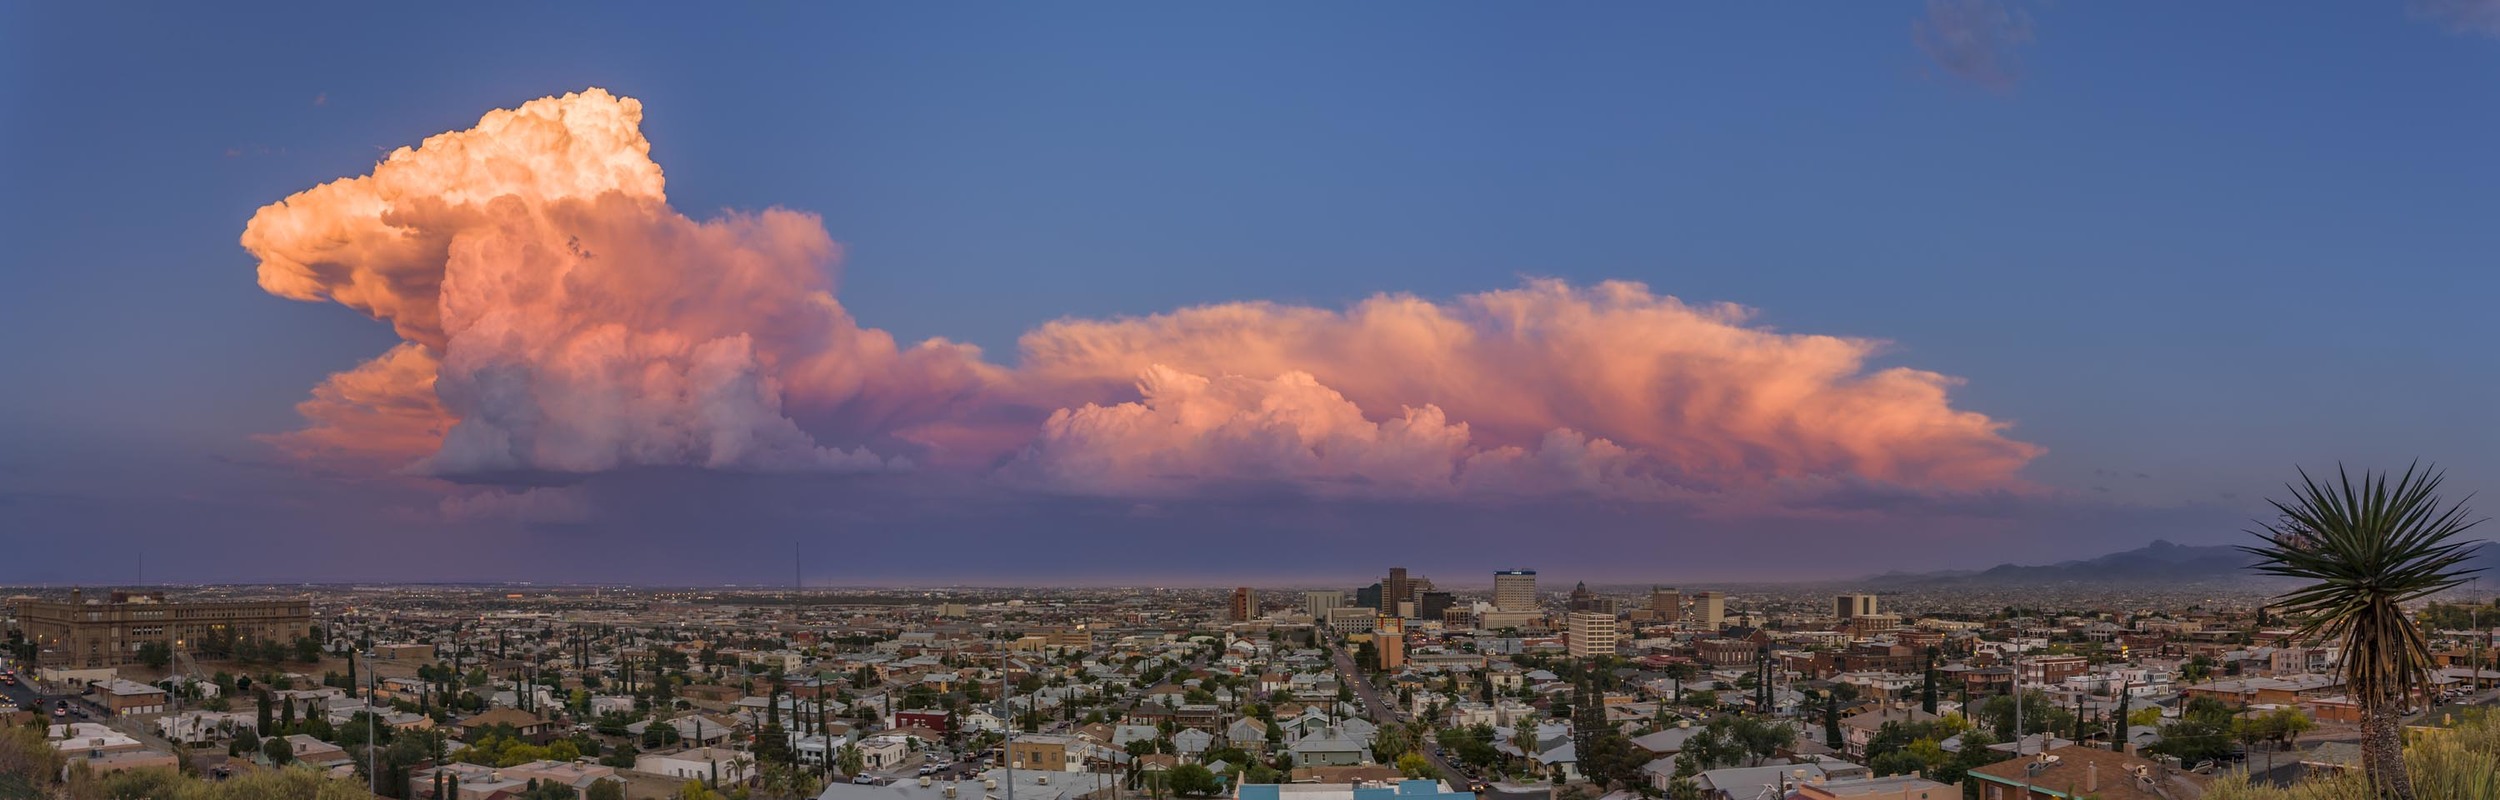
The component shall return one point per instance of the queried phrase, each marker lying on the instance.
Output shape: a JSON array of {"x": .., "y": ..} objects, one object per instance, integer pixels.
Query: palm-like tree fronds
[{"x": 2366, "y": 548}]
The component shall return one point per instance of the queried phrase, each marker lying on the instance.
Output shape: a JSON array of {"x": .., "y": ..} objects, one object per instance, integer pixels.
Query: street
[{"x": 1386, "y": 714}]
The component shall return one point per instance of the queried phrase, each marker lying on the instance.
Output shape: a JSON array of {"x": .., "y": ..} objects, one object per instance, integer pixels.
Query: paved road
[
  {"x": 26, "y": 696},
  {"x": 1385, "y": 714}
]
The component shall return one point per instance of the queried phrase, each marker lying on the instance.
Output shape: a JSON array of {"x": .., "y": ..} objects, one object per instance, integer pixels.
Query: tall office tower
[
  {"x": 1591, "y": 633},
  {"x": 1852, "y": 606},
  {"x": 1368, "y": 597},
  {"x": 1318, "y": 604},
  {"x": 1245, "y": 605},
  {"x": 1389, "y": 643},
  {"x": 1514, "y": 590},
  {"x": 1666, "y": 603},
  {"x": 1710, "y": 609},
  {"x": 1395, "y": 590},
  {"x": 1433, "y": 605}
]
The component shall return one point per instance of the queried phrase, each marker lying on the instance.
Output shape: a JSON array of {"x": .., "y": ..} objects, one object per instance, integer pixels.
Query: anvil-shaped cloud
[{"x": 562, "y": 319}]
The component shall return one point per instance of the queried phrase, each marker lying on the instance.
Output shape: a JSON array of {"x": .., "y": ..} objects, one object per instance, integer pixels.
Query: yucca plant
[{"x": 2367, "y": 547}]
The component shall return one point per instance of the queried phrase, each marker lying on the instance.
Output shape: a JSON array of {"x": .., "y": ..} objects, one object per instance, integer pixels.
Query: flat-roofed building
[
  {"x": 1591, "y": 633},
  {"x": 1318, "y": 604},
  {"x": 1852, "y": 606},
  {"x": 1514, "y": 590},
  {"x": 1889, "y": 787},
  {"x": 1389, "y": 642},
  {"x": 85, "y": 632},
  {"x": 123, "y": 697},
  {"x": 1710, "y": 610},
  {"x": 1666, "y": 604},
  {"x": 1244, "y": 605}
]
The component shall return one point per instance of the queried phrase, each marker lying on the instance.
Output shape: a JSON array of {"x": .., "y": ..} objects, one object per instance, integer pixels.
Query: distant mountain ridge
[{"x": 2162, "y": 562}]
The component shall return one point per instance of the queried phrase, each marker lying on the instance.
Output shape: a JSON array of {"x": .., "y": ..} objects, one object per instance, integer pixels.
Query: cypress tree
[
  {"x": 2118, "y": 726},
  {"x": 1831, "y": 720},
  {"x": 1927, "y": 687},
  {"x": 2079, "y": 717}
]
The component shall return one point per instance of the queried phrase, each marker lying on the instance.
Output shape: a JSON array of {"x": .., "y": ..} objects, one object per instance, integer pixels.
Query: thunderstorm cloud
[{"x": 561, "y": 319}]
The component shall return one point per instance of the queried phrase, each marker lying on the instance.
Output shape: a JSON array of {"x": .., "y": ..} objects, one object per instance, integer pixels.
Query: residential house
[
  {"x": 717, "y": 764},
  {"x": 1189, "y": 742},
  {"x": 104, "y": 749},
  {"x": 1858, "y": 729},
  {"x": 1332, "y": 746},
  {"x": 1402, "y": 790},
  {"x": 1890, "y": 787},
  {"x": 2076, "y": 772},
  {"x": 1772, "y": 780},
  {"x": 316, "y": 752},
  {"x": 527, "y": 725}
]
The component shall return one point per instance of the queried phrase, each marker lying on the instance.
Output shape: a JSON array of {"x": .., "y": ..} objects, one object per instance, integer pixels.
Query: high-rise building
[
  {"x": 1710, "y": 609},
  {"x": 1389, "y": 642},
  {"x": 1245, "y": 605},
  {"x": 1368, "y": 597},
  {"x": 1317, "y": 604},
  {"x": 1432, "y": 605},
  {"x": 1591, "y": 633},
  {"x": 1852, "y": 606},
  {"x": 1665, "y": 603},
  {"x": 1394, "y": 590},
  {"x": 1514, "y": 590}
]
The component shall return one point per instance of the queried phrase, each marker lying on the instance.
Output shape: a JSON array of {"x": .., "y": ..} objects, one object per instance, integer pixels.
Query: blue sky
[{"x": 2184, "y": 248}]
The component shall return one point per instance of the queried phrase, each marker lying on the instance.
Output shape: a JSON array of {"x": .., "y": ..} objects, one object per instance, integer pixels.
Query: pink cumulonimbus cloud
[{"x": 561, "y": 318}]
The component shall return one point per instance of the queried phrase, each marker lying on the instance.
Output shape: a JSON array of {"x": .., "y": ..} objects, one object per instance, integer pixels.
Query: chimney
[{"x": 2092, "y": 777}]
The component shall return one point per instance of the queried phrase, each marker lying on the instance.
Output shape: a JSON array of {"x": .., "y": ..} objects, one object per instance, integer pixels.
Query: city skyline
[{"x": 942, "y": 301}]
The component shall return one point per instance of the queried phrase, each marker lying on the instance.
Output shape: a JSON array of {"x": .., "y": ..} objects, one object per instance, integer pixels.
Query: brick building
[{"x": 85, "y": 632}]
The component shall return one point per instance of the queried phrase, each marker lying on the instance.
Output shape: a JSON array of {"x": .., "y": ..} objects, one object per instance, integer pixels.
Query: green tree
[
  {"x": 1831, "y": 721},
  {"x": 605, "y": 789},
  {"x": 1192, "y": 780},
  {"x": 695, "y": 790},
  {"x": 849, "y": 759},
  {"x": 2202, "y": 733},
  {"x": 277, "y": 751},
  {"x": 2118, "y": 721},
  {"x": 2039, "y": 715},
  {"x": 2197, "y": 669},
  {"x": 2366, "y": 548},
  {"x": 547, "y": 790},
  {"x": 1927, "y": 684},
  {"x": 1415, "y": 765},
  {"x": 155, "y": 655}
]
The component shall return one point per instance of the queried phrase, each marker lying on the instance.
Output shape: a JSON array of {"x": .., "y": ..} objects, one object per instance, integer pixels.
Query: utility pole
[
  {"x": 2018, "y": 705},
  {"x": 373, "y": 758},
  {"x": 1007, "y": 746}
]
